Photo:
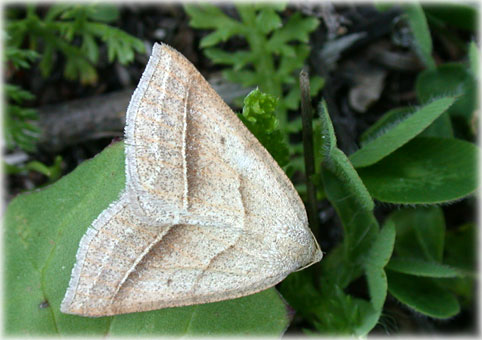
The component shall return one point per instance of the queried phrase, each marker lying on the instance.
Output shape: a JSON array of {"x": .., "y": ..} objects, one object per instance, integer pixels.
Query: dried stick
[{"x": 307, "y": 118}]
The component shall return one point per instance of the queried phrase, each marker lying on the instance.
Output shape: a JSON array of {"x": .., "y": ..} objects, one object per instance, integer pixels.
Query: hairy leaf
[
  {"x": 423, "y": 295},
  {"x": 425, "y": 170},
  {"x": 400, "y": 134}
]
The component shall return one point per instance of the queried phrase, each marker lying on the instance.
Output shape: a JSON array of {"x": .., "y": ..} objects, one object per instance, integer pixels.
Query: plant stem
[{"x": 307, "y": 117}]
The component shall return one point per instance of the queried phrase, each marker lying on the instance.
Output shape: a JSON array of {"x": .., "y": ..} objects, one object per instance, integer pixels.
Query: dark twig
[{"x": 307, "y": 118}]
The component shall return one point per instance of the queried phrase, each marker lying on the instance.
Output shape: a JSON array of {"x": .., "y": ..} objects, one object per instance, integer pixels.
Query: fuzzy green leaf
[
  {"x": 419, "y": 267},
  {"x": 40, "y": 246},
  {"x": 452, "y": 79},
  {"x": 420, "y": 232},
  {"x": 341, "y": 167},
  {"x": 360, "y": 227},
  {"x": 377, "y": 258},
  {"x": 400, "y": 134},
  {"x": 328, "y": 137},
  {"x": 385, "y": 123},
  {"x": 426, "y": 170},
  {"x": 418, "y": 24},
  {"x": 423, "y": 295},
  {"x": 381, "y": 249}
]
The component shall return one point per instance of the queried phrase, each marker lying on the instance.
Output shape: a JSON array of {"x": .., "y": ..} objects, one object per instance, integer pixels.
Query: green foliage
[
  {"x": 396, "y": 135},
  {"x": 417, "y": 268},
  {"x": 419, "y": 157},
  {"x": 41, "y": 242},
  {"x": 61, "y": 28},
  {"x": 259, "y": 117},
  {"x": 56, "y": 33},
  {"x": 421, "y": 33},
  {"x": 423, "y": 171},
  {"x": 19, "y": 122},
  {"x": 423, "y": 295},
  {"x": 53, "y": 172},
  {"x": 453, "y": 79},
  {"x": 275, "y": 50}
]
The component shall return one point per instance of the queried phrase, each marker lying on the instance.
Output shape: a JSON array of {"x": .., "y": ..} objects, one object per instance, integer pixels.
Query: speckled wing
[{"x": 210, "y": 214}]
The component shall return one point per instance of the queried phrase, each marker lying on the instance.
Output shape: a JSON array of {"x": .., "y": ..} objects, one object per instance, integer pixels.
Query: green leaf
[
  {"x": 459, "y": 15},
  {"x": 341, "y": 167},
  {"x": 420, "y": 233},
  {"x": 423, "y": 295},
  {"x": 474, "y": 59},
  {"x": 451, "y": 79},
  {"x": 419, "y": 267},
  {"x": 400, "y": 134},
  {"x": 104, "y": 13},
  {"x": 259, "y": 314},
  {"x": 461, "y": 252},
  {"x": 328, "y": 137},
  {"x": 316, "y": 84},
  {"x": 268, "y": 20},
  {"x": 377, "y": 258},
  {"x": 208, "y": 16},
  {"x": 296, "y": 28},
  {"x": 441, "y": 127},
  {"x": 426, "y": 170},
  {"x": 40, "y": 246},
  {"x": 334, "y": 160},
  {"x": 381, "y": 249},
  {"x": 259, "y": 117},
  {"x": 359, "y": 223},
  {"x": 460, "y": 249},
  {"x": 418, "y": 24},
  {"x": 385, "y": 123}
]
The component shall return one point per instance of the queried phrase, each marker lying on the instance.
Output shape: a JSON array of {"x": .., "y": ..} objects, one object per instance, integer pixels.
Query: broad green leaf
[
  {"x": 43, "y": 233},
  {"x": 420, "y": 232},
  {"x": 452, "y": 79},
  {"x": 385, "y": 123},
  {"x": 426, "y": 170},
  {"x": 423, "y": 295},
  {"x": 418, "y": 24},
  {"x": 400, "y": 134},
  {"x": 441, "y": 127},
  {"x": 419, "y": 267},
  {"x": 250, "y": 315}
]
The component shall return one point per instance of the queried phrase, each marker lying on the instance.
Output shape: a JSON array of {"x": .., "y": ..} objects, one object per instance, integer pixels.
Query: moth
[{"x": 206, "y": 214}]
